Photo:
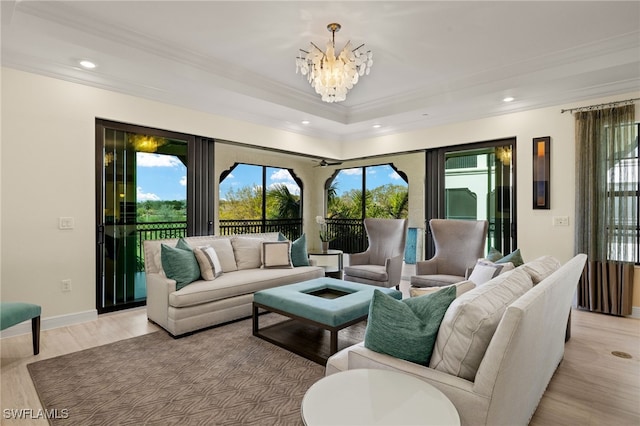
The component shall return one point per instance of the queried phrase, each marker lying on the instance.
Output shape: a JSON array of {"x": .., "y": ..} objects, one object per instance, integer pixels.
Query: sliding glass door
[
  {"x": 474, "y": 182},
  {"x": 148, "y": 186}
]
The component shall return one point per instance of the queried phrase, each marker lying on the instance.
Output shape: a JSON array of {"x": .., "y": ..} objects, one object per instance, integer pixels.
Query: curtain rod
[{"x": 591, "y": 107}]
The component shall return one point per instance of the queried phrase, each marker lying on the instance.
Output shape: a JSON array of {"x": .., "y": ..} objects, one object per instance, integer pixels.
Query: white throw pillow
[
  {"x": 276, "y": 254},
  {"x": 485, "y": 271},
  {"x": 469, "y": 323},
  {"x": 210, "y": 267}
]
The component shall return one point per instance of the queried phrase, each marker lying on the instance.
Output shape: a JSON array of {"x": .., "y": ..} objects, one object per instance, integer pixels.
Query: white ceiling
[{"x": 435, "y": 62}]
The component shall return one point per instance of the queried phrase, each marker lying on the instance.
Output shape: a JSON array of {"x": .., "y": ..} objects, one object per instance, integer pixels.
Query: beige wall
[{"x": 47, "y": 171}]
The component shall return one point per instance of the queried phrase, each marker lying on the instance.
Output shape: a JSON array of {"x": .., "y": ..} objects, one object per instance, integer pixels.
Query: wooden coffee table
[
  {"x": 314, "y": 307},
  {"x": 376, "y": 397}
]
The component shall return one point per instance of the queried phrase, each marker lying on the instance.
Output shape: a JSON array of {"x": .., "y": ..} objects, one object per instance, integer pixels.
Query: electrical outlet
[
  {"x": 66, "y": 285},
  {"x": 561, "y": 221}
]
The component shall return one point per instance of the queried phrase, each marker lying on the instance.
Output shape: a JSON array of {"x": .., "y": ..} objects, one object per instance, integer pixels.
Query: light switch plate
[
  {"x": 66, "y": 223},
  {"x": 561, "y": 221}
]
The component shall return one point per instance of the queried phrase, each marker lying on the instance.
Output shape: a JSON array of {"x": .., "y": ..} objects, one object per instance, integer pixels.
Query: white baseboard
[
  {"x": 635, "y": 312},
  {"x": 51, "y": 322}
]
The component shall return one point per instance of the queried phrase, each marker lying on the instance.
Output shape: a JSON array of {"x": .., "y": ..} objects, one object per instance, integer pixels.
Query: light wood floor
[{"x": 590, "y": 387}]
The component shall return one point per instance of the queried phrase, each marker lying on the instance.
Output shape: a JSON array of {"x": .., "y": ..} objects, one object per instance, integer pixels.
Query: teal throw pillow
[
  {"x": 179, "y": 264},
  {"x": 406, "y": 329},
  {"x": 183, "y": 244},
  {"x": 281, "y": 237},
  {"x": 299, "y": 256},
  {"x": 494, "y": 255},
  {"x": 514, "y": 257}
]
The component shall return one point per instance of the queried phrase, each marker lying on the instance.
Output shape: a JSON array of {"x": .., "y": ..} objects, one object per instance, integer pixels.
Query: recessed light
[
  {"x": 509, "y": 99},
  {"x": 87, "y": 64},
  {"x": 305, "y": 122},
  {"x": 377, "y": 126}
]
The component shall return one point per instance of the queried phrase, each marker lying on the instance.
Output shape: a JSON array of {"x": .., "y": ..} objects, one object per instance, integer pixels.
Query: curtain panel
[{"x": 606, "y": 207}]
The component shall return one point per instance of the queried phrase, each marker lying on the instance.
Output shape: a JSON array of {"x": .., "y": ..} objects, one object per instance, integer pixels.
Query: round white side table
[{"x": 376, "y": 397}]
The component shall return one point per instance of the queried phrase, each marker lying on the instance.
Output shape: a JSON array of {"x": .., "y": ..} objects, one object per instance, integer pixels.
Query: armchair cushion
[
  {"x": 406, "y": 329},
  {"x": 368, "y": 272}
]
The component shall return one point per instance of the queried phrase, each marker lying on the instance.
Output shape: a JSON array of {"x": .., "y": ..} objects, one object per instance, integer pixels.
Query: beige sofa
[
  {"x": 227, "y": 297},
  {"x": 493, "y": 377}
]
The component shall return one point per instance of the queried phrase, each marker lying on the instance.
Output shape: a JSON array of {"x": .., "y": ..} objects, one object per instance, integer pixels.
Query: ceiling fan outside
[{"x": 325, "y": 163}]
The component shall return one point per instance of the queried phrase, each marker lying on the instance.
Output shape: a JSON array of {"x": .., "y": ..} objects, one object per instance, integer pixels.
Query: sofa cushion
[
  {"x": 210, "y": 267},
  {"x": 247, "y": 252},
  {"x": 406, "y": 329},
  {"x": 238, "y": 283},
  {"x": 276, "y": 254},
  {"x": 224, "y": 251},
  {"x": 485, "y": 270},
  {"x": 179, "y": 264},
  {"x": 299, "y": 255},
  {"x": 541, "y": 268},
  {"x": 471, "y": 320},
  {"x": 461, "y": 288}
]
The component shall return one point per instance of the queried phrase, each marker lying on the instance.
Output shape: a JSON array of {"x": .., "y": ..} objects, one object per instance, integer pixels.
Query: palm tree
[
  {"x": 398, "y": 205},
  {"x": 284, "y": 204}
]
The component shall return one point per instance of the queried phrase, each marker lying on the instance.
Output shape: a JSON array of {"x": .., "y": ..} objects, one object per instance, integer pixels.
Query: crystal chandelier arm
[{"x": 319, "y": 50}]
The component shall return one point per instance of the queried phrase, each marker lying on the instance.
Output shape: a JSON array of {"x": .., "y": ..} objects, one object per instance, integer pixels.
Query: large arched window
[
  {"x": 369, "y": 191},
  {"x": 353, "y": 194},
  {"x": 257, "y": 198}
]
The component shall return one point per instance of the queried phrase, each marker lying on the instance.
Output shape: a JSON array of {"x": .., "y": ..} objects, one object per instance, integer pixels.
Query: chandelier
[{"x": 330, "y": 75}]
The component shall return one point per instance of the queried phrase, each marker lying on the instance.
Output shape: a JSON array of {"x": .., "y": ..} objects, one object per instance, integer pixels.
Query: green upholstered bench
[
  {"x": 12, "y": 313},
  {"x": 325, "y": 303}
]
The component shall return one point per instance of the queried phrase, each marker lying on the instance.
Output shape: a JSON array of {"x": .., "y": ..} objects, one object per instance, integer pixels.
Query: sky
[{"x": 164, "y": 177}]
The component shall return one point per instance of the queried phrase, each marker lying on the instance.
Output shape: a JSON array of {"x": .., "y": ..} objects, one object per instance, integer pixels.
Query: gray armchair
[
  {"x": 459, "y": 244},
  {"x": 381, "y": 263}
]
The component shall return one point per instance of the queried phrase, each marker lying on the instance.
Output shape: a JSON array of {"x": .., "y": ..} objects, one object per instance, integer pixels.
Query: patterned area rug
[{"x": 220, "y": 376}]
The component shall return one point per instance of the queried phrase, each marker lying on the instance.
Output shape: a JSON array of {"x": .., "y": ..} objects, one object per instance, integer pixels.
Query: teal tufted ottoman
[
  {"x": 325, "y": 303},
  {"x": 12, "y": 313}
]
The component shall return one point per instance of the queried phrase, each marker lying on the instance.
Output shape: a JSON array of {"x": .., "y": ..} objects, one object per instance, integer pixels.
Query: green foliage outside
[
  {"x": 162, "y": 211},
  {"x": 246, "y": 203},
  {"x": 385, "y": 201}
]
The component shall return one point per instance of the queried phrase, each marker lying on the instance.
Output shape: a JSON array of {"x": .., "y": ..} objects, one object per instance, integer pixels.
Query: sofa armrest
[
  {"x": 359, "y": 258},
  {"x": 472, "y": 406},
  {"x": 427, "y": 267},
  {"x": 158, "y": 289}
]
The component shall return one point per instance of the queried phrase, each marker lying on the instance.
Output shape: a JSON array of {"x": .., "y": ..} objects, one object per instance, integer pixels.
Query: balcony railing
[
  {"x": 348, "y": 234},
  {"x": 157, "y": 231},
  {"x": 290, "y": 228}
]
